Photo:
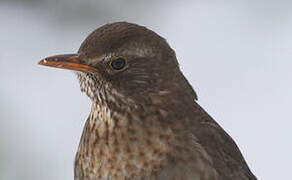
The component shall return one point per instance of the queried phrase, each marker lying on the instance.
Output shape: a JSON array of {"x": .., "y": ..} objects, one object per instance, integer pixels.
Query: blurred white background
[{"x": 237, "y": 55}]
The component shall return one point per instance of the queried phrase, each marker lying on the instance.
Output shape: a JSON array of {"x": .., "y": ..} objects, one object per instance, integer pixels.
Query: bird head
[{"x": 125, "y": 60}]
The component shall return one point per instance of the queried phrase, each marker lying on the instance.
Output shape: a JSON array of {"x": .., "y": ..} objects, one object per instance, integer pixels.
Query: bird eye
[{"x": 118, "y": 64}]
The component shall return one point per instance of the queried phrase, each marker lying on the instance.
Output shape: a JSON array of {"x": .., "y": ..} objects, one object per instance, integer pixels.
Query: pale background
[{"x": 237, "y": 55}]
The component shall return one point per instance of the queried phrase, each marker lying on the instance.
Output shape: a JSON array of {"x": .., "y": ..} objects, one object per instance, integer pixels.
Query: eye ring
[{"x": 118, "y": 64}]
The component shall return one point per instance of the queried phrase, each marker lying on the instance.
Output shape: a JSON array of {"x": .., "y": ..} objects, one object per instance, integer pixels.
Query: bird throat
[{"x": 124, "y": 137}]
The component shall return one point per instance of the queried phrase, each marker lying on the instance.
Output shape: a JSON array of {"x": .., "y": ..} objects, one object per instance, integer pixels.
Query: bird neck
[{"x": 117, "y": 135}]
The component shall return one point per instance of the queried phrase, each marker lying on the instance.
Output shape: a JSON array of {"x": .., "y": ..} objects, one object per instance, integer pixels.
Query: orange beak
[{"x": 67, "y": 61}]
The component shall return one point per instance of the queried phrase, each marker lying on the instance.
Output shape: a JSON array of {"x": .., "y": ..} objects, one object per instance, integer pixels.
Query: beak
[{"x": 67, "y": 61}]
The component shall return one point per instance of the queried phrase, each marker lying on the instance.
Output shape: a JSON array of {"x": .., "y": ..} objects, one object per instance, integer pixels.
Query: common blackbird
[{"x": 145, "y": 123}]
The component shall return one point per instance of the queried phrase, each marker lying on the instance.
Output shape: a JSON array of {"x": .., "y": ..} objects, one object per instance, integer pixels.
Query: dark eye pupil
[{"x": 118, "y": 64}]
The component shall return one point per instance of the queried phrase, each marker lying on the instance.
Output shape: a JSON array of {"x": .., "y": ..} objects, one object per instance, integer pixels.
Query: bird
[{"x": 145, "y": 122}]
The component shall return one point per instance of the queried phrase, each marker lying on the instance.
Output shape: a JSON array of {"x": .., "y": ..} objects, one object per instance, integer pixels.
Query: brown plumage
[{"x": 145, "y": 123}]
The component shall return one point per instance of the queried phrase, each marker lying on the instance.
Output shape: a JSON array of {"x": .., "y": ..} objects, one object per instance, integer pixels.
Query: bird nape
[{"x": 145, "y": 123}]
